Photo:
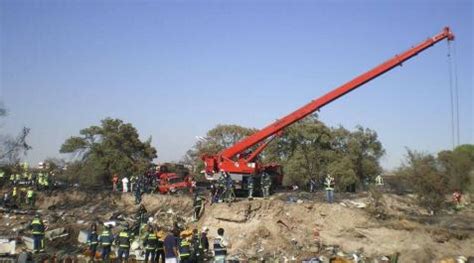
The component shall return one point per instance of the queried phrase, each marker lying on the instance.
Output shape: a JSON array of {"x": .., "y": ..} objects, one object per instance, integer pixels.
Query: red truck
[{"x": 171, "y": 182}]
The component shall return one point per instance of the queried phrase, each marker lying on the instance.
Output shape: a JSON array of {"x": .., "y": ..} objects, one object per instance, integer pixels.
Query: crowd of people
[
  {"x": 24, "y": 183},
  {"x": 170, "y": 245}
]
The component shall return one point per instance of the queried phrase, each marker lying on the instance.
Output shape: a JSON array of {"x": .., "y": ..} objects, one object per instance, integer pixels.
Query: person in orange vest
[{"x": 115, "y": 180}]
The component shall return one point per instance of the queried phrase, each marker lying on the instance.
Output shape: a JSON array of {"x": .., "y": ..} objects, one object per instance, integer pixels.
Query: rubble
[
  {"x": 7, "y": 246},
  {"x": 273, "y": 230}
]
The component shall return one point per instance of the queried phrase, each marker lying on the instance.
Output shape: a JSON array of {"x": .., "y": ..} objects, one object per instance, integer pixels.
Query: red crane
[{"x": 238, "y": 160}]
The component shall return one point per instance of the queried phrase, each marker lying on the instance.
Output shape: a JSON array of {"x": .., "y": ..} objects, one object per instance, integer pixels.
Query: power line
[
  {"x": 456, "y": 89},
  {"x": 451, "y": 96}
]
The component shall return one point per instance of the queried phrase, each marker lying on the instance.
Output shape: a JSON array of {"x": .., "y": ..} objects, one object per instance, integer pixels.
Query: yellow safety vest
[
  {"x": 30, "y": 194},
  {"x": 14, "y": 192}
]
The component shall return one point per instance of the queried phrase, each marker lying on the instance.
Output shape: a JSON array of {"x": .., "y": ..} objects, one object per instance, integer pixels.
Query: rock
[
  {"x": 52, "y": 234},
  {"x": 7, "y": 246},
  {"x": 82, "y": 237},
  {"x": 28, "y": 242}
]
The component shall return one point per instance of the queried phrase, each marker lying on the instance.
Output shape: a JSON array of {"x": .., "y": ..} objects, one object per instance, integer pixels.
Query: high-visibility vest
[
  {"x": 41, "y": 179},
  {"x": 30, "y": 194},
  {"x": 151, "y": 241},
  {"x": 14, "y": 192},
  {"x": 198, "y": 202},
  {"x": 93, "y": 238},
  {"x": 184, "y": 249},
  {"x": 18, "y": 177},
  {"x": 105, "y": 238},
  {"x": 12, "y": 177},
  {"x": 124, "y": 239},
  {"x": 2, "y": 174},
  {"x": 37, "y": 227},
  {"x": 329, "y": 183}
]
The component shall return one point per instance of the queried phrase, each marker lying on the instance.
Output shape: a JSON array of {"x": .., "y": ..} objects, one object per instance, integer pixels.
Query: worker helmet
[
  {"x": 37, "y": 215},
  {"x": 205, "y": 229}
]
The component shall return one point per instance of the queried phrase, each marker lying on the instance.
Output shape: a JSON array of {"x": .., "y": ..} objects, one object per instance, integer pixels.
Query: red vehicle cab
[{"x": 173, "y": 183}]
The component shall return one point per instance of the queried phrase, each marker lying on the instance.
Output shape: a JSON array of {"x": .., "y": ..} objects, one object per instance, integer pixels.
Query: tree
[
  {"x": 309, "y": 149},
  {"x": 304, "y": 150},
  {"x": 458, "y": 167},
  {"x": 113, "y": 147},
  {"x": 428, "y": 183},
  {"x": 11, "y": 148},
  {"x": 217, "y": 139}
]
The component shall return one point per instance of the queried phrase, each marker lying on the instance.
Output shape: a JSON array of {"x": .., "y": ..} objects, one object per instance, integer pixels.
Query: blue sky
[{"x": 175, "y": 69}]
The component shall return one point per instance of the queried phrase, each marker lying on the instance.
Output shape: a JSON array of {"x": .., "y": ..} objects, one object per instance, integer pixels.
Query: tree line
[{"x": 309, "y": 149}]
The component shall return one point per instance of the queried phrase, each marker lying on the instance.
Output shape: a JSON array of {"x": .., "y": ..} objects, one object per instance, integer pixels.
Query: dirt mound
[{"x": 289, "y": 225}]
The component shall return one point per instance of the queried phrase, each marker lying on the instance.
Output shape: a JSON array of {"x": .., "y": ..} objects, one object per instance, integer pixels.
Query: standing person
[
  {"x": 198, "y": 205},
  {"x": 312, "y": 185},
  {"x": 457, "y": 196},
  {"x": 151, "y": 244},
  {"x": 213, "y": 193},
  {"x": 229, "y": 189},
  {"x": 220, "y": 186},
  {"x": 138, "y": 192},
  {"x": 329, "y": 183},
  {"x": 250, "y": 185},
  {"x": 123, "y": 241},
  {"x": 14, "y": 195},
  {"x": 220, "y": 247},
  {"x": 197, "y": 254},
  {"x": 133, "y": 180},
  {"x": 266, "y": 184},
  {"x": 184, "y": 250},
  {"x": 30, "y": 195},
  {"x": 125, "y": 184},
  {"x": 170, "y": 245},
  {"x": 379, "y": 180},
  {"x": 193, "y": 185},
  {"x": 115, "y": 180},
  {"x": 204, "y": 241},
  {"x": 160, "y": 251},
  {"x": 2, "y": 177},
  {"x": 37, "y": 230},
  {"x": 105, "y": 242},
  {"x": 93, "y": 241}
]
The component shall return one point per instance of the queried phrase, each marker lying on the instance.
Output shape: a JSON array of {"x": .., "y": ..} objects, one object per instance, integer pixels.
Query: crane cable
[{"x": 454, "y": 95}]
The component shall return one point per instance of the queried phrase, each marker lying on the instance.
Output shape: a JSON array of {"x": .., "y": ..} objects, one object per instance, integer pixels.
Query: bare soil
[{"x": 291, "y": 225}]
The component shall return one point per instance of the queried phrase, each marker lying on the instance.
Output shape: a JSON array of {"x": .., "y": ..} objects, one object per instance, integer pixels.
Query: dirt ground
[{"x": 288, "y": 226}]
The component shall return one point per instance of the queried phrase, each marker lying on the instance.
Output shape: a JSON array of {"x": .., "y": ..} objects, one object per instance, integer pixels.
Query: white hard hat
[{"x": 205, "y": 229}]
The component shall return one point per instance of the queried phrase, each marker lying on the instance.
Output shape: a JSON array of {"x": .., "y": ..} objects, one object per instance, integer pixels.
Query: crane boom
[{"x": 226, "y": 158}]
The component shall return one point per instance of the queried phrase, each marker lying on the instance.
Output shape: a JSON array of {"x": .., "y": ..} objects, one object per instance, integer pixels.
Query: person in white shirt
[{"x": 125, "y": 184}]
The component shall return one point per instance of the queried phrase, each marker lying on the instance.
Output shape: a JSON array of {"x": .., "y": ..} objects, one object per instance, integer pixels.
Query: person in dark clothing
[
  {"x": 184, "y": 251},
  {"x": 37, "y": 230},
  {"x": 197, "y": 252},
  {"x": 123, "y": 241},
  {"x": 105, "y": 242},
  {"x": 93, "y": 241},
  {"x": 151, "y": 244},
  {"x": 170, "y": 245},
  {"x": 160, "y": 251},
  {"x": 198, "y": 205},
  {"x": 213, "y": 192},
  {"x": 205, "y": 240}
]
